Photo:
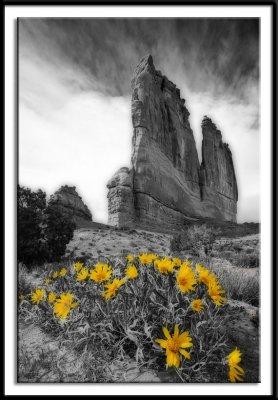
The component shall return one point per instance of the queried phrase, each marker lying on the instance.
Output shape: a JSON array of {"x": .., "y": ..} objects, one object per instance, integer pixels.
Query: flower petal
[
  {"x": 239, "y": 369},
  {"x": 184, "y": 336},
  {"x": 162, "y": 343},
  {"x": 185, "y": 354},
  {"x": 173, "y": 359},
  {"x": 176, "y": 359},
  {"x": 166, "y": 332},
  {"x": 184, "y": 345},
  {"x": 176, "y": 331},
  {"x": 169, "y": 359}
]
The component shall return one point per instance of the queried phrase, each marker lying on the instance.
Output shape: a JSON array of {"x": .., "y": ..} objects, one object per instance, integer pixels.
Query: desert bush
[
  {"x": 249, "y": 250},
  {"x": 249, "y": 260},
  {"x": 24, "y": 284},
  {"x": 224, "y": 245},
  {"x": 30, "y": 206},
  {"x": 230, "y": 229},
  {"x": 227, "y": 255},
  {"x": 124, "y": 228},
  {"x": 43, "y": 231},
  {"x": 132, "y": 308},
  {"x": 176, "y": 243},
  {"x": 198, "y": 239},
  {"x": 246, "y": 258},
  {"x": 240, "y": 285},
  {"x": 58, "y": 231},
  {"x": 237, "y": 247}
]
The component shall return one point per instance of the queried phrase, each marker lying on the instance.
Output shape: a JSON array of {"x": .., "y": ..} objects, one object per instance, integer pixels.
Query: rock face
[
  {"x": 218, "y": 179},
  {"x": 120, "y": 199},
  {"x": 166, "y": 185},
  {"x": 67, "y": 200}
]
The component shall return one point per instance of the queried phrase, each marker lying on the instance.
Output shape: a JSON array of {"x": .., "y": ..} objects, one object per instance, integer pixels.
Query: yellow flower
[
  {"x": 63, "y": 272},
  {"x": 101, "y": 272},
  {"x": 199, "y": 267},
  {"x": 129, "y": 258},
  {"x": 176, "y": 262},
  {"x": 153, "y": 256},
  {"x": 236, "y": 372},
  {"x": 37, "y": 296},
  {"x": 78, "y": 266},
  {"x": 82, "y": 275},
  {"x": 186, "y": 279},
  {"x": 187, "y": 263},
  {"x": 112, "y": 288},
  {"x": 204, "y": 275},
  {"x": 215, "y": 292},
  {"x": 197, "y": 305},
  {"x": 164, "y": 266},
  {"x": 63, "y": 305},
  {"x": 21, "y": 297},
  {"x": 51, "y": 297},
  {"x": 174, "y": 346},
  {"x": 147, "y": 258},
  {"x": 55, "y": 274},
  {"x": 131, "y": 272},
  {"x": 144, "y": 258},
  {"x": 47, "y": 281}
]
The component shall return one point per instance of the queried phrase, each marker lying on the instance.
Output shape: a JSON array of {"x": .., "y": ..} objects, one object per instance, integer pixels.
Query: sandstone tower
[{"x": 166, "y": 185}]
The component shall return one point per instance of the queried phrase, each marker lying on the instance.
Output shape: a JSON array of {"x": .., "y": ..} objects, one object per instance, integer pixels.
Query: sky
[{"x": 75, "y": 97}]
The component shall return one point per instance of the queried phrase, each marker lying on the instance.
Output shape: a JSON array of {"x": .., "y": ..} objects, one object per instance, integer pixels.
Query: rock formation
[
  {"x": 67, "y": 200},
  {"x": 218, "y": 179},
  {"x": 166, "y": 186},
  {"x": 121, "y": 199}
]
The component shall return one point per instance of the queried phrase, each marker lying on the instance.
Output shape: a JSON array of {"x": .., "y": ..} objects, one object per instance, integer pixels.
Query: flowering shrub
[{"x": 125, "y": 307}]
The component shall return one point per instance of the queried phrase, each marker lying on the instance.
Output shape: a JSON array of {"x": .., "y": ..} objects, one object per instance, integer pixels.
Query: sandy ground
[{"x": 95, "y": 242}]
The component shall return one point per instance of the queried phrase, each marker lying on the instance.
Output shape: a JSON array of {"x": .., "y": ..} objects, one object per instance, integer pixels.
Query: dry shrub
[
  {"x": 248, "y": 259},
  {"x": 240, "y": 284}
]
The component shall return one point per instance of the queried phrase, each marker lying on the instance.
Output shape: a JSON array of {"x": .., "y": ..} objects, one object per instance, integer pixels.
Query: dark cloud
[{"x": 216, "y": 55}]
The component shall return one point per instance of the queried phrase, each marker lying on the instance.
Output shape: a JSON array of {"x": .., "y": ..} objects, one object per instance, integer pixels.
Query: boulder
[{"x": 68, "y": 201}]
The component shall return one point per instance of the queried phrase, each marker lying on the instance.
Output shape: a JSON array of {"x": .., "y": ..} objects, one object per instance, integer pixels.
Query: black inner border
[{"x": 274, "y": 164}]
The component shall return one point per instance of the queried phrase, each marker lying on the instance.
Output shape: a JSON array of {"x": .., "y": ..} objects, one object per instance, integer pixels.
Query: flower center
[
  {"x": 173, "y": 346},
  {"x": 182, "y": 281},
  {"x": 101, "y": 275}
]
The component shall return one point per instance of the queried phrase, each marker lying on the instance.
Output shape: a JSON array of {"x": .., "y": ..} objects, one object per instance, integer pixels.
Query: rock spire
[{"x": 166, "y": 185}]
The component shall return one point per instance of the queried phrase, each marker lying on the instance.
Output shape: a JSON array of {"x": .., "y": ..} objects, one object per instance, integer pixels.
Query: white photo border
[{"x": 264, "y": 12}]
